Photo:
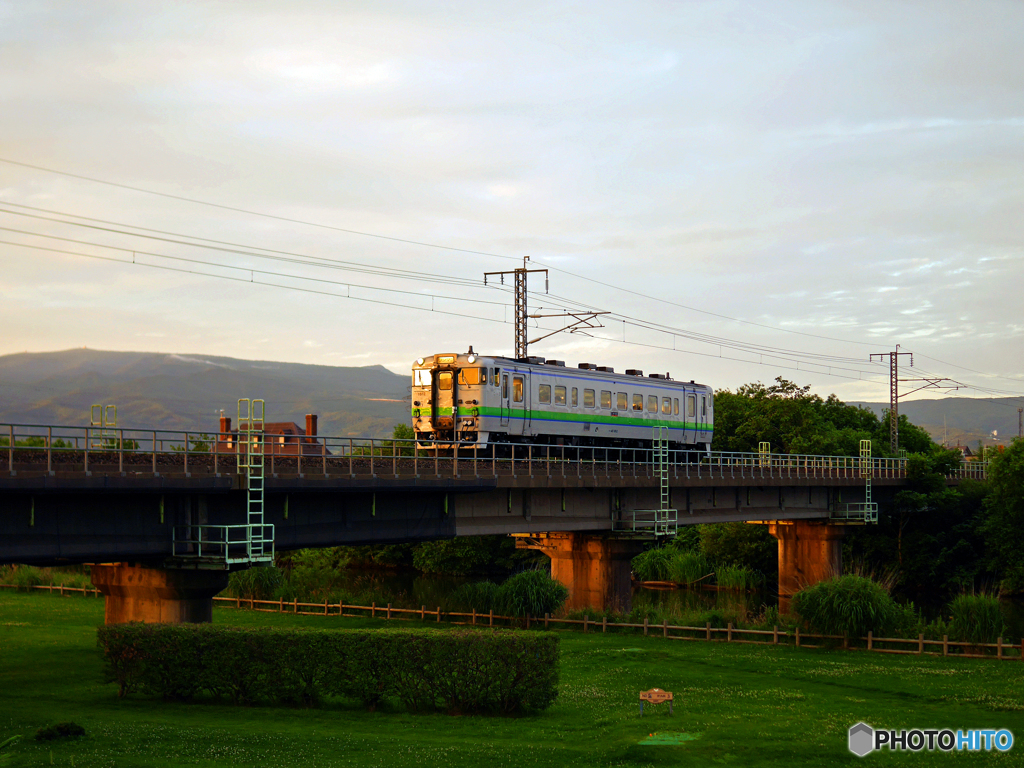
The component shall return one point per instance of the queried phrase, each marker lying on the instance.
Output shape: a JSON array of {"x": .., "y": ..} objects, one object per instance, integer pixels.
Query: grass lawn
[{"x": 746, "y": 706}]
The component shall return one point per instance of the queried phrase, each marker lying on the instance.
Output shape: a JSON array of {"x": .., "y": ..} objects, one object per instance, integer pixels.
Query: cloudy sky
[{"x": 751, "y": 190}]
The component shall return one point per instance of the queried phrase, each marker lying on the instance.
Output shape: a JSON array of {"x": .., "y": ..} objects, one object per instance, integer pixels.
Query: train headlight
[
  {"x": 471, "y": 358},
  {"x": 419, "y": 361}
]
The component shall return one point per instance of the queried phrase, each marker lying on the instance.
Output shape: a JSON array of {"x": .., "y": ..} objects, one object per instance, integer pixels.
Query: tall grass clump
[
  {"x": 474, "y": 595},
  {"x": 689, "y": 567},
  {"x": 848, "y": 605},
  {"x": 737, "y": 577},
  {"x": 976, "y": 619},
  {"x": 530, "y": 592},
  {"x": 652, "y": 565},
  {"x": 22, "y": 576},
  {"x": 255, "y": 583}
]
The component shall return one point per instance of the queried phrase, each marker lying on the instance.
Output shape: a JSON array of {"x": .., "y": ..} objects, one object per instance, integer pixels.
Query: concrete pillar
[
  {"x": 594, "y": 567},
  {"x": 809, "y": 552},
  {"x": 136, "y": 592}
]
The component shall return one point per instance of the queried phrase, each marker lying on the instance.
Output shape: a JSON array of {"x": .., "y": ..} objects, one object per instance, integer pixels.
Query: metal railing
[
  {"x": 221, "y": 546},
  {"x": 155, "y": 452}
]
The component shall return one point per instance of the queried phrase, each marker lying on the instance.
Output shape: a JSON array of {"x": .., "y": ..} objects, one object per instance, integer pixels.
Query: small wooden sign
[{"x": 655, "y": 696}]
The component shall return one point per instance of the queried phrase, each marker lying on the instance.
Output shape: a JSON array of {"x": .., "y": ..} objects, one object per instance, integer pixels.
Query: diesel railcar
[{"x": 470, "y": 399}]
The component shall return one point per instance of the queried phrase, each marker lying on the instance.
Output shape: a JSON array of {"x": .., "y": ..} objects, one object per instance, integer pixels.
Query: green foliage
[
  {"x": 255, "y": 583},
  {"x": 530, "y": 592},
  {"x": 479, "y": 595},
  {"x": 652, "y": 565},
  {"x": 737, "y": 577},
  {"x": 467, "y": 555},
  {"x": 1004, "y": 526},
  {"x": 501, "y": 672},
  {"x": 848, "y": 605},
  {"x": 976, "y": 619},
  {"x": 689, "y": 567},
  {"x": 740, "y": 544},
  {"x": 67, "y": 730}
]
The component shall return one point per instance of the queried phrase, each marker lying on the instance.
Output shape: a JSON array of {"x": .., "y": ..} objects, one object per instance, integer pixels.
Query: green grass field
[{"x": 735, "y": 705}]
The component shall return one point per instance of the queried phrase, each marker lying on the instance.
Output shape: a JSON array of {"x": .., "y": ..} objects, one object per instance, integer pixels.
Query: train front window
[
  {"x": 471, "y": 376},
  {"x": 444, "y": 381},
  {"x": 421, "y": 378},
  {"x": 517, "y": 389}
]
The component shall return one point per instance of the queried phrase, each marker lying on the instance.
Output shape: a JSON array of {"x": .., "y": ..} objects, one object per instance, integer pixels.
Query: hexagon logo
[{"x": 862, "y": 739}]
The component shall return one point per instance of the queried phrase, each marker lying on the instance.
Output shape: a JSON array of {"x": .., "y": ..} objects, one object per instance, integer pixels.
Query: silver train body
[{"x": 481, "y": 400}]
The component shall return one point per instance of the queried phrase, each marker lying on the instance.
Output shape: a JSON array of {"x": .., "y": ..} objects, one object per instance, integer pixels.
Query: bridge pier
[
  {"x": 809, "y": 552},
  {"x": 594, "y": 567},
  {"x": 136, "y": 592}
]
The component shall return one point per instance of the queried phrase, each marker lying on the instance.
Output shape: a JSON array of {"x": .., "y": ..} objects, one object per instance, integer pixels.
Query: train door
[
  {"x": 702, "y": 418},
  {"x": 505, "y": 394},
  {"x": 444, "y": 404},
  {"x": 691, "y": 418},
  {"x": 520, "y": 402}
]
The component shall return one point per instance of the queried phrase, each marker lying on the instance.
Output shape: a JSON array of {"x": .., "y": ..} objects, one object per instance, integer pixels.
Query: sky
[{"x": 749, "y": 190}]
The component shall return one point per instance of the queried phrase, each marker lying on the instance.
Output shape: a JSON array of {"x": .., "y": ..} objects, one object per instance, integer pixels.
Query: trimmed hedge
[{"x": 456, "y": 671}]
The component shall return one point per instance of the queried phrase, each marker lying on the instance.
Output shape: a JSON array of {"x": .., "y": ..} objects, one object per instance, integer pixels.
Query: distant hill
[
  {"x": 961, "y": 420},
  {"x": 168, "y": 391}
]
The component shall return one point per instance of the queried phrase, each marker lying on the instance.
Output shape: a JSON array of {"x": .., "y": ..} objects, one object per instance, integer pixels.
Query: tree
[{"x": 1004, "y": 526}]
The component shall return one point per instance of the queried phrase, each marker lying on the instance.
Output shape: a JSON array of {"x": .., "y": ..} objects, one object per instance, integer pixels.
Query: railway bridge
[{"x": 164, "y": 516}]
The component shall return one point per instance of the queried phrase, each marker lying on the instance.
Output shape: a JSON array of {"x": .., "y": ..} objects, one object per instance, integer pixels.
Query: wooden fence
[{"x": 730, "y": 634}]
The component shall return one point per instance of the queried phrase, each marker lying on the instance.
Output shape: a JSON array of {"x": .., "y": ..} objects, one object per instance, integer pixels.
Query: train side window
[
  {"x": 497, "y": 374},
  {"x": 638, "y": 402},
  {"x": 504, "y": 387},
  {"x": 675, "y": 406},
  {"x": 652, "y": 403},
  {"x": 471, "y": 376},
  {"x": 575, "y": 397},
  {"x": 421, "y": 378},
  {"x": 691, "y": 406},
  {"x": 559, "y": 395},
  {"x": 666, "y": 405},
  {"x": 621, "y": 401},
  {"x": 588, "y": 398},
  {"x": 444, "y": 381},
  {"x": 517, "y": 389},
  {"x": 606, "y": 399},
  {"x": 704, "y": 407},
  {"x": 544, "y": 393}
]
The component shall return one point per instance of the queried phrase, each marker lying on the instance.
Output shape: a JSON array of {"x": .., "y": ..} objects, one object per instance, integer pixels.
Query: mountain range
[{"x": 181, "y": 391}]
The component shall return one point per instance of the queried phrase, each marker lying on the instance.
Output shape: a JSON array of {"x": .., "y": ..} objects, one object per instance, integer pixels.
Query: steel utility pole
[
  {"x": 894, "y": 394},
  {"x": 520, "y": 274},
  {"x": 583, "y": 319}
]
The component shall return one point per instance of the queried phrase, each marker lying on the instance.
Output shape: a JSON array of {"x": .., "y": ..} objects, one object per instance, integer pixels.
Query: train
[{"x": 469, "y": 400}]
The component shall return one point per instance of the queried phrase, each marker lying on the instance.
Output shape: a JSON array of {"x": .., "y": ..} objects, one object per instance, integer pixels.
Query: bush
[
  {"x": 976, "y": 619},
  {"x": 848, "y": 605},
  {"x": 530, "y": 592},
  {"x": 453, "y": 671},
  {"x": 66, "y": 730},
  {"x": 689, "y": 567},
  {"x": 652, "y": 565},
  {"x": 737, "y": 577},
  {"x": 23, "y": 576}
]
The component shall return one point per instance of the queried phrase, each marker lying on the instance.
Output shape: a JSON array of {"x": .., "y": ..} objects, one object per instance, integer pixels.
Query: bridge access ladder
[
  {"x": 857, "y": 512},
  {"x": 663, "y": 521},
  {"x": 229, "y": 547}
]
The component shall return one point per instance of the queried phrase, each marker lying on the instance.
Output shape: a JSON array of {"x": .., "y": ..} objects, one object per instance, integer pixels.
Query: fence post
[
  {"x": 238, "y": 602},
  {"x": 474, "y": 617},
  {"x": 999, "y": 647},
  {"x": 604, "y": 629},
  {"x": 585, "y": 623},
  {"x": 871, "y": 640},
  {"x": 920, "y": 644},
  {"x": 798, "y": 637},
  {"x": 490, "y": 618},
  {"x": 945, "y": 645},
  {"x": 728, "y": 633},
  {"x": 389, "y": 611},
  {"x": 547, "y": 616},
  {"x": 423, "y": 613},
  {"x": 373, "y": 610},
  {"x": 325, "y": 606},
  {"x": 707, "y": 626},
  {"x": 295, "y": 605},
  {"x": 775, "y": 635},
  {"x": 527, "y": 621},
  {"x": 664, "y": 628},
  {"x": 645, "y": 626},
  {"x": 439, "y": 614}
]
